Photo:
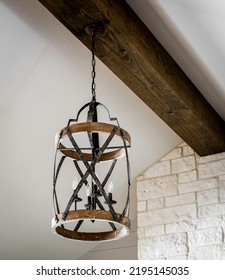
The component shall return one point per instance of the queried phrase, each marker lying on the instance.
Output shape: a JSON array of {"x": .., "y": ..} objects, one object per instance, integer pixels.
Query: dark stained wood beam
[{"x": 130, "y": 50}]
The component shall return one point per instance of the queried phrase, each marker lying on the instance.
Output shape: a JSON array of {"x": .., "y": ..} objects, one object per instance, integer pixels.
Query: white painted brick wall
[
  {"x": 183, "y": 164},
  {"x": 205, "y": 237},
  {"x": 211, "y": 210},
  {"x": 181, "y": 199},
  {"x": 209, "y": 222},
  {"x": 159, "y": 247},
  {"x": 210, "y": 169},
  {"x": 222, "y": 188},
  {"x": 187, "y": 151},
  {"x": 158, "y": 169},
  {"x": 188, "y": 176},
  {"x": 154, "y": 230},
  {"x": 157, "y": 187},
  {"x": 176, "y": 153},
  {"x": 155, "y": 203},
  {"x": 198, "y": 185},
  {"x": 212, "y": 252},
  {"x": 167, "y": 215},
  {"x": 181, "y": 207},
  {"x": 208, "y": 197},
  {"x": 141, "y": 206},
  {"x": 183, "y": 226}
]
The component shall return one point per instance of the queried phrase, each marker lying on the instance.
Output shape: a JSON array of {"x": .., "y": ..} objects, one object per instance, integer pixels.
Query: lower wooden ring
[{"x": 100, "y": 215}]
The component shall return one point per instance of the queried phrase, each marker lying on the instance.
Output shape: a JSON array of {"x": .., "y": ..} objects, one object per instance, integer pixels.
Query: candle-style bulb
[
  {"x": 88, "y": 190},
  {"x": 110, "y": 187}
]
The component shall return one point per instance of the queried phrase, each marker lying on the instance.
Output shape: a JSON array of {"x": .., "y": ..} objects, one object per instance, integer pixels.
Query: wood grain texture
[
  {"x": 101, "y": 215},
  {"x": 98, "y": 127},
  {"x": 130, "y": 50}
]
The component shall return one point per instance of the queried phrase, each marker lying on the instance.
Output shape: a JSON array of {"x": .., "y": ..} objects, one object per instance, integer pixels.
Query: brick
[
  {"x": 212, "y": 252},
  {"x": 183, "y": 164},
  {"x": 158, "y": 169},
  {"x": 211, "y": 169},
  {"x": 209, "y": 222},
  {"x": 188, "y": 198},
  {"x": 183, "y": 226},
  {"x": 207, "y": 197},
  {"x": 176, "y": 153},
  {"x": 223, "y": 224},
  {"x": 223, "y": 221},
  {"x": 162, "y": 246},
  {"x": 167, "y": 215},
  {"x": 222, "y": 188},
  {"x": 214, "y": 157},
  {"x": 187, "y": 151},
  {"x": 205, "y": 237},
  {"x": 223, "y": 252},
  {"x": 187, "y": 176},
  {"x": 140, "y": 177},
  {"x": 183, "y": 144},
  {"x": 157, "y": 187},
  {"x": 211, "y": 210},
  {"x": 154, "y": 230},
  {"x": 155, "y": 203},
  {"x": 197, "y": 185},
  {"x": 141, "y": 206},
  {"x": 182, "y": 215}
]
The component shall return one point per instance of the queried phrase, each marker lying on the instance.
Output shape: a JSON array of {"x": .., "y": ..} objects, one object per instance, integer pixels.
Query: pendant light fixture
[{"x": 89, "y": 212}]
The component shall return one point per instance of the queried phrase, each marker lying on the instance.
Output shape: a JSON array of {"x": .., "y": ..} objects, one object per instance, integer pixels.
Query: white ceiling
[
  {"x": 193, "y": 32},
  {"x": 45, "y": 79}
]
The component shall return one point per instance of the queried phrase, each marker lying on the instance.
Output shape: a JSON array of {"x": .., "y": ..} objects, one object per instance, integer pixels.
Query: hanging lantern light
[{"x": 84, "y": 223}]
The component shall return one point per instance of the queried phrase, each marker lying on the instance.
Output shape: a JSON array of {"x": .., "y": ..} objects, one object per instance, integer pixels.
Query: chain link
[{"x": 93, "y": 62}]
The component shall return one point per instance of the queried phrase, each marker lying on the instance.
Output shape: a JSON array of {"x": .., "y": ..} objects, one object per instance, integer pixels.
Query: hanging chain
[{"x": 93, "y": 62}]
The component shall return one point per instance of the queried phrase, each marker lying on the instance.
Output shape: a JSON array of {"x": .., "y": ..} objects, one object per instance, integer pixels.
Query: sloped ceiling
[
  {"x": 130, "y": 50},
  {"x": 45, "y": 79}
]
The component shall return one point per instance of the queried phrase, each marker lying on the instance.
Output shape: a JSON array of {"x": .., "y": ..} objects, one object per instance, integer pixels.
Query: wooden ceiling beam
[{"x": 130, "y": 50}]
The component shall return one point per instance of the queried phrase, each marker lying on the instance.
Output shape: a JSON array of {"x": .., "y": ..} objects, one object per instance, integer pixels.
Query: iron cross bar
[
  {"x": 90, "y": 168},
  {"x": 55, "y": 177},
  {"x": 128, "y": 175},
  {"x": 103, "y": 185},
  {"x": 106, "y": 177}
]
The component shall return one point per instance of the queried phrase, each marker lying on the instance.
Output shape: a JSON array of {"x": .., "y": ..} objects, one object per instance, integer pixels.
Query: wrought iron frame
[
  {"x": 90, "y": 161},
  {"x": 119, "y": 222}
]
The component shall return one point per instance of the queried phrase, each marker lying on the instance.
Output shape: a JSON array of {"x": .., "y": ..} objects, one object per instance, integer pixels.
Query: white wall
[
  {"x": 181, "y": 207},
  {"x": 45, "y": 79}
]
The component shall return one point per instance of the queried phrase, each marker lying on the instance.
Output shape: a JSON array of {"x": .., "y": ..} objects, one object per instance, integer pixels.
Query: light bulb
[
  {"x": 110, "y": 187},
  {"x": 88, "y": 190},
  {"x": 74, "y": 183}
]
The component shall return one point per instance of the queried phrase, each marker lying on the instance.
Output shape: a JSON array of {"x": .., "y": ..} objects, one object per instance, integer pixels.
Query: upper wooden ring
[{"x": 92, "y": 127}]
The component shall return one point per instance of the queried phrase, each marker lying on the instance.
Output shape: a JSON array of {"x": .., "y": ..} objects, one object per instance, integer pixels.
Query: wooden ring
[
  {"x": 100, "y": 215},
  {"x": 92, "y": 127}
]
